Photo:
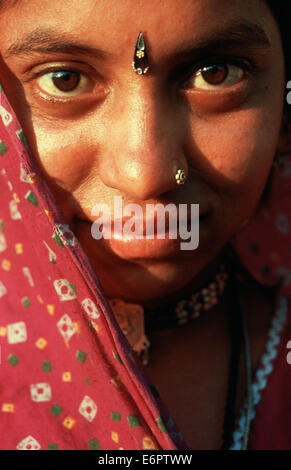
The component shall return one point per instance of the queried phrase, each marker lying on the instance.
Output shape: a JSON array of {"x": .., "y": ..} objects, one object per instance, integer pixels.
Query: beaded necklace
[{"x": 136, "y": 321}]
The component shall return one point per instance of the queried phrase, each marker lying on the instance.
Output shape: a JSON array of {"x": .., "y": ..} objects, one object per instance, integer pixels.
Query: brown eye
[
  {"x": 64, "y": 83},
  {"x": 66, "y": 80},
  {"x": 215, "y": 74}
]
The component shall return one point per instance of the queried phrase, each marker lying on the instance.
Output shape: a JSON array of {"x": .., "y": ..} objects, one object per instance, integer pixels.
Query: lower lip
[{"x": 131, "y": 247}]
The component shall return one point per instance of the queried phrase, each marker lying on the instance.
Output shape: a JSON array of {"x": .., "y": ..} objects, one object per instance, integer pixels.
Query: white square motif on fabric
[
  {"x": 88, "y": 409},
  {"x": 90, "y": 308},
  {"x": 3, "y": 290},
  {"x": 41, "y": 392},
  {"x": 65, "y": 289},
  {"x": 66, "y": 327},
  {"x": 6, "y": 116},
  {"x": 25, "y": 175},
  {"x": 14, "y": 212},
  {"x": 3, "y": 243},
  {"x": 16, "y": 333},
  {"x": 27, "y": 274},
  {"x": 29, "y": 443}
]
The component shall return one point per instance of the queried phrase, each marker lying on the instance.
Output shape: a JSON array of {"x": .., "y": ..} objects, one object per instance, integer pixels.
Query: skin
[
  {"x": 114, "y": 139},
  {"x": 126, "y": 135}
]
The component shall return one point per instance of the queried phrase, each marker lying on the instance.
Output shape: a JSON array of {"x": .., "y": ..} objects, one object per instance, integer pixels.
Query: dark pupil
[
  {"x": 215, "y": 74},
  {"x": 66, "y": 80}
]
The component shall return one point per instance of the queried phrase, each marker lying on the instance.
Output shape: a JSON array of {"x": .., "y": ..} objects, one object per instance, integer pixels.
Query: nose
[{"x": 144, "y": 145}]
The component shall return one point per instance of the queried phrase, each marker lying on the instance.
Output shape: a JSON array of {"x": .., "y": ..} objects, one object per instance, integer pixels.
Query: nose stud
[
  {"x": 140, "y": 61},
  {"x": 180, "y": 177}
]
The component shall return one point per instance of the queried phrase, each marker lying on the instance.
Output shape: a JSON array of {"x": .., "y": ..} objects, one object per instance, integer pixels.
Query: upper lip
[{"x": 144, "y": 220}]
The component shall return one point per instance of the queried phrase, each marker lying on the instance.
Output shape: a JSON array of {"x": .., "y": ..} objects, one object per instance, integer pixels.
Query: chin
[
  {"x": 141, "y": 282},
  {"x": 149, "y": 281}
]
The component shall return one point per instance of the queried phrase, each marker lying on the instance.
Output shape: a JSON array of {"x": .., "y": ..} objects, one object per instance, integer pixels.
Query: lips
[
  {"x": 134, "y": 248},
  {"x": 127, "y": 229},
  {"x": 139, "y": 245}
]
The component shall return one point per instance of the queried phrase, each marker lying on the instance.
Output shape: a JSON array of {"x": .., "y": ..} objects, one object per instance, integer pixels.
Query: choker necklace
[{"x": 136, "y": 321}]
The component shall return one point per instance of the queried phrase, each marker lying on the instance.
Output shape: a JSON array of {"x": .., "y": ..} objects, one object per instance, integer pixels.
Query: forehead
[{"x": 115, "y": 25}]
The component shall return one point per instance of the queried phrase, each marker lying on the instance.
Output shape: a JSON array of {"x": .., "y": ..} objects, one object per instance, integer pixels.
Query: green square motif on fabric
[
  {"x": 118, "y": 358},
  {"x": 87, "y": 381},
  {"x": 52, "y": 447},
  {"x": 94, "y": 444},
  {"x": 81, "y": 355},
  {"x": 2, "y": 226},
  {"x": 46, "y": 366},
  {"x": 31, "y": 197},
  {"x": 25, "y": 302},
  {"x": 22, "y": 137},
  {"x": 3, "y": 148},
  {"x": 57, "y": 239},
  {"x": 73, "y": 287},
  {"x": 133, "y": 421},
  {"x": 13, "y": 360},
  {"x": 115, "y": 416},
  {"x": 56, "y": 410},
  {"x": 162, "y": 425},
  {"x": 52, "y": 258}
]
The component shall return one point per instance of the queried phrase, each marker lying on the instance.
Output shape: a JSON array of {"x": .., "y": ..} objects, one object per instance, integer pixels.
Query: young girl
[{"x": 127, "y": 341}]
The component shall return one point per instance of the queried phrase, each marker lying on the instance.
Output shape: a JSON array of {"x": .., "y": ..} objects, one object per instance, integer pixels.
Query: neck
[{"x": 204, "y": 277}]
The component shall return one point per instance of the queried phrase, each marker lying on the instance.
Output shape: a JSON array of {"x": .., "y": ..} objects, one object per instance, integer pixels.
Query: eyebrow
[
  {"x": 244, "y": 34},
  {"x": 49, "y": 41},
  {"x": 239, "y": 34}
]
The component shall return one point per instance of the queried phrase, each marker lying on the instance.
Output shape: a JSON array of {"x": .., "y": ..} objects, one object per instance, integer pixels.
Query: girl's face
[{"x": 211, "y": 104}]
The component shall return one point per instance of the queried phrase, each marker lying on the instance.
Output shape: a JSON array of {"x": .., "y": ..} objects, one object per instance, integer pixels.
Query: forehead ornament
[{"x": 140, "y": 61}]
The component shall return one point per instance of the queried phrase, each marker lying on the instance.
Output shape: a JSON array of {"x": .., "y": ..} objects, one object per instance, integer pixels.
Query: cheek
[
  {"x": 65, "y": 156},
  {"x": 236, "y": 151}
]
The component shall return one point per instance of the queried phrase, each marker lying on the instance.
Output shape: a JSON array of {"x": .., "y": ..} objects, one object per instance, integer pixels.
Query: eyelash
[
  {"x": 51, "y": 70},
  {"x": 239, "y": 61},
  {"x": 184, "y": 74},
  {"x": 247, "y": 65}
]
